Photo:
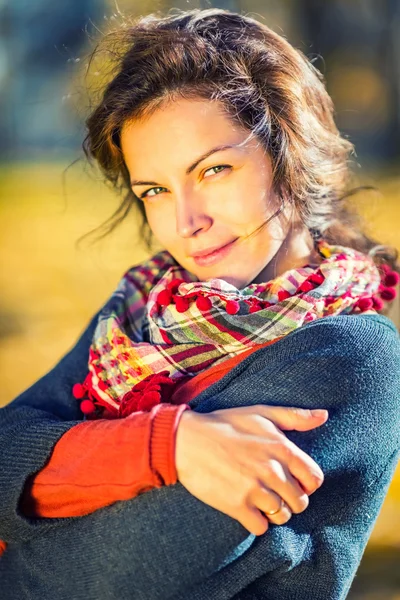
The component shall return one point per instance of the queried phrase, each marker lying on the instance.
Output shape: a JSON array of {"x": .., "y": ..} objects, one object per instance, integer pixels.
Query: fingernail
[{"x": 319, "y": 412}]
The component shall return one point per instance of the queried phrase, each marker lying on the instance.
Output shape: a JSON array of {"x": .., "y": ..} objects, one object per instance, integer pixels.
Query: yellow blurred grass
[{"x": 50, "y": 288}]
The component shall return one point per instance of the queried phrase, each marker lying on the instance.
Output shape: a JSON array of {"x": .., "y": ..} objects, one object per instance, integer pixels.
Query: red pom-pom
[
  {"x": 203, "y": 303},
  {"x": 388, "y": 294},
  {"x": 164, "y": 373},
  {"x": 378, "y": 304},
  {"x": 317, "y": 278},
  {"x": 174, "y": 284},
  {"x": 385, "y": 268},
  {"x": 365, "y": 304},
  {"x": 283, "y": 294},
  {"x": 87, "y": 407},
  {"x": 164, "y": 297},
  {"x": 182, "y": 304},
  {"x": 306, "y": 286},
  {"x": 255, "y": 307},
  {"x": 232, "y": 307},
  {"x": 391, "y": 279},
  {"x": 78, "y": 391},
  {"x": 149, "y": 400},
  {"x": 153, "y": 387}
]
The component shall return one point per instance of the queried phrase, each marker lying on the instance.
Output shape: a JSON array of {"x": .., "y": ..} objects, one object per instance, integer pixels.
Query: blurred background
[{"x": 50, "y": 286}]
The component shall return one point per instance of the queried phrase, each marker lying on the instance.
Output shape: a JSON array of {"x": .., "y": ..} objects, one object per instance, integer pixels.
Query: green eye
[
  {"x": 223, "y": 167},
  {"x": 145, "y": 194},
  {"x": 220, "y": 168}
]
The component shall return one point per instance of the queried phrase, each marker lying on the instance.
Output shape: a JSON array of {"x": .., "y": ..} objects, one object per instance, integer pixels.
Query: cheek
[
  {"x": 249, "y": 196},
  {"x": 239, "y": 203},
  {"x": 242, "y": 205},
  {"x": 162, "y": 223}
]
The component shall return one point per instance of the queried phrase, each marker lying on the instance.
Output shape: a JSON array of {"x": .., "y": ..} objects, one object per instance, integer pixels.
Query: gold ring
[{"x": 274, "y": 512}]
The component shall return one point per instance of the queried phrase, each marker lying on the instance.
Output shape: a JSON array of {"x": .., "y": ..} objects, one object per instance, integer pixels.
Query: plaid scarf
[{"x": 163, "y": 325}]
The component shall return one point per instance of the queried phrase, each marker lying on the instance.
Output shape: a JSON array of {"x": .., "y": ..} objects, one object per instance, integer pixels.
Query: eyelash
[{"x": 144, "y": 195}]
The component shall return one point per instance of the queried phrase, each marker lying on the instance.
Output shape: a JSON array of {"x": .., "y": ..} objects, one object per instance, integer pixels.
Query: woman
[{"x": 266, "y": 297}]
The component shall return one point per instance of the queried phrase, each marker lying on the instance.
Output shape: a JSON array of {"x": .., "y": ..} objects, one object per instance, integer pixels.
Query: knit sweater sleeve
[
  {"x": 30, "y": 427},
  {"x": 84, "y": 465},
  {"x": 85, "y": 471},
  {"x": 96, "y": 463}
]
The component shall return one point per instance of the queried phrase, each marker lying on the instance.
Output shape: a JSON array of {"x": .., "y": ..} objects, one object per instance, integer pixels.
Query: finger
[
  {"x": 277, "y": 478},
  {"x": 268, "y": 501},
  {"x": 282, "y": 516},
  {"x": 293, "y": 418},
  {"x": 303, "y": 468},
  {"x": 254, "y": 521}
]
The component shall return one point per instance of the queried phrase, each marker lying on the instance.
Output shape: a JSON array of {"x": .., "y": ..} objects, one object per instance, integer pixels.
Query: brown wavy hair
[{"x": 265, "y": 85}]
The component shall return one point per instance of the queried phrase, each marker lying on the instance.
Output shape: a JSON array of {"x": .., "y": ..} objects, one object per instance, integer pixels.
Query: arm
[
  {"x": 68, "y": 467},
  {"x": 31, "y": 425},
  {"x": 85, "y": 470},
  {"x": 357, "y": 374},
  {"x": 165, "y": 542},
  {"x": 96, "y": 463}
]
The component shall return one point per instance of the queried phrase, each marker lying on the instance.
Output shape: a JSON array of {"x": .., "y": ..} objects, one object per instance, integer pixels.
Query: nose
[{"x": 190, "y": 217}]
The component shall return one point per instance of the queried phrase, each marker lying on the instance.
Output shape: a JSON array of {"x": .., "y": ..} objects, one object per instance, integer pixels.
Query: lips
[
  {"x": 211, "y": 257},
  {"x": 210, "y": 250}
]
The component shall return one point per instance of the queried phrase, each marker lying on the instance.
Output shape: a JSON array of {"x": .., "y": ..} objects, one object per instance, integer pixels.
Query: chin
[
  {"x": 226, "y": 274},
  {"x": 236, "y": 281}
]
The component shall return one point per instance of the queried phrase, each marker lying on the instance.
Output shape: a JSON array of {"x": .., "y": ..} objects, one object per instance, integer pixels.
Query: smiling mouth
[
  {"x": 208, "y": 252},
  {"x": 215, "y": 255}
]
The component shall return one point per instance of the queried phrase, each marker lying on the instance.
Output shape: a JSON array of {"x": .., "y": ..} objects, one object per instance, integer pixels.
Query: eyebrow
[{"x": 193, "y": 165}]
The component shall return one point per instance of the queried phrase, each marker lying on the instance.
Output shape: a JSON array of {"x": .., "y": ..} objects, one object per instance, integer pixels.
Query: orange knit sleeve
[
  {"x": 96, "y": 463},
  {"x": 99, "y": 462}
]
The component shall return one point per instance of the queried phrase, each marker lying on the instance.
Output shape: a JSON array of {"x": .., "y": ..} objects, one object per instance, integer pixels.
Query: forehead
[
  {"x": 178, "y": 112},
  {"x": 176, "y": 126}
]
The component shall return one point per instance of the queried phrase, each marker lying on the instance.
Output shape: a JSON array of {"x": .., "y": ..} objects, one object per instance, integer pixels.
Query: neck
[{"x": 297, "y": 250}]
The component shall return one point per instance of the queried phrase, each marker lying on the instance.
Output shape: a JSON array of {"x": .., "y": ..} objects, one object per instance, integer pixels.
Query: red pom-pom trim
[
  {"x": 365, "y": 304},
  {"x": 317, "y": 278},
  {"x": 87, "y": 407},
  {"x": 174, "y": 285},
  {"x": 255, "y": 307},
  {"x": 391, "y": 279},
  {"x": 149, "y": 400},
  {"x": 78, "y": 391},
  {"x": 388, "y": 294},
  {"x": 182, "y": 304},
  {"x": 378, "y": 304},
  {"x": 283, "y": 294},
  {"x": 306, "y": 286},
  {"x": 164, "y": 297},
  {"x": 232, "y": 307},
  {"x": 203, "y": 303}
]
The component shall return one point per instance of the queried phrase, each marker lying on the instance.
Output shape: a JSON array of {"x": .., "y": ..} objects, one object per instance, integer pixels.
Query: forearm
[
  {"x": 30, "y": 426},
  {"x": 96, "y": 463}
]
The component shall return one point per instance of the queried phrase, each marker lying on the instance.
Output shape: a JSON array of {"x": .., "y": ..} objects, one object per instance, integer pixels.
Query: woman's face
[{"x": 194, "y": 204}]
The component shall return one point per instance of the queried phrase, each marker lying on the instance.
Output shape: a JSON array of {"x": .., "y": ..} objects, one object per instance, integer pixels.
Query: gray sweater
[{"x": 166, "y": 543}]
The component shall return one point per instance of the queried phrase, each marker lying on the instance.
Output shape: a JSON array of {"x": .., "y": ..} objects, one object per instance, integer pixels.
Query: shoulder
[
  {"x": 356, "y": 336},
  {"x": 353, "y": 354}
]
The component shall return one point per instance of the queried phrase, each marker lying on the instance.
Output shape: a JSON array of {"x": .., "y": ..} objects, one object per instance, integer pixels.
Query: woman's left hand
[{"x": 239, "y": 461}]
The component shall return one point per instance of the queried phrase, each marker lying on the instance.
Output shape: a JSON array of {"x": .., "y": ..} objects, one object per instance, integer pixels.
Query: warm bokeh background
[{"x": 50, "y": 287}]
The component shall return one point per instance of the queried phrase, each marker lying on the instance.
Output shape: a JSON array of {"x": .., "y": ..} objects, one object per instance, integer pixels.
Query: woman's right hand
[{"x": 238, "y": 461}]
